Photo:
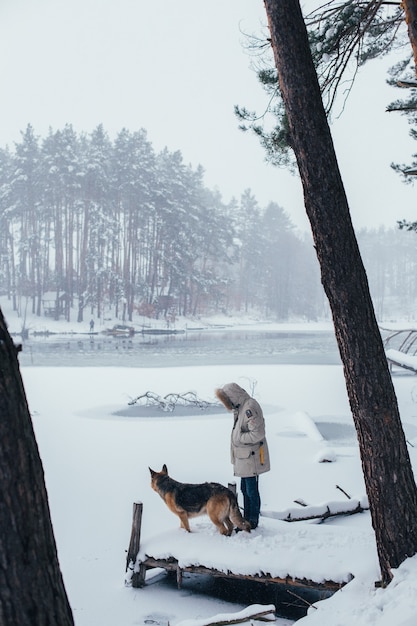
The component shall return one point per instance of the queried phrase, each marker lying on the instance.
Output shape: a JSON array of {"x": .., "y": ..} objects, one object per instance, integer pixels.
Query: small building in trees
[{"x": 55, "y": 305}]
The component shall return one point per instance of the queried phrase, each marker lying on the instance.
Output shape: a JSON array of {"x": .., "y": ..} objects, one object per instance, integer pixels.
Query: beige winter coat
[{"x": 249, "y": 448}]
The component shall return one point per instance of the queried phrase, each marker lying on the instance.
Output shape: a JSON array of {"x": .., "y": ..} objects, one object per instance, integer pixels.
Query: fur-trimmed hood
[
  {"x": 232, "y": 396},
  {"x": 248, "y": 447}
]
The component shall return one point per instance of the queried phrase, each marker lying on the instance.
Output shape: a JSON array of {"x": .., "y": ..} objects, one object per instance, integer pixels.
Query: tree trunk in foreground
[
  {"x": 388, "y": 475},
  {"x": 410, "y": 10},
  {"x": 32, "y": 591}
]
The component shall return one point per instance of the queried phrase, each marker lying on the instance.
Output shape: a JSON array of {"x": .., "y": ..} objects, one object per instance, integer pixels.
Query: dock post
[
  {"x": 138, "y": 578},
  {"x": 179, "y": 577}
]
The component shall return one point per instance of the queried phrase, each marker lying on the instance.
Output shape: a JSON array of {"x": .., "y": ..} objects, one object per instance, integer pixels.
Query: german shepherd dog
[{"x": 187, "y": 500}]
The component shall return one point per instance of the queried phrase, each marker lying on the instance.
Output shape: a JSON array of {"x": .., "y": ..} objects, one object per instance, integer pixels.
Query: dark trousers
[{"x": 251, "y": 499}]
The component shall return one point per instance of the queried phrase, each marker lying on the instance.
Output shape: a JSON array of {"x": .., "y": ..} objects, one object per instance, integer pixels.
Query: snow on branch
[
  {"x": 171, "y": 400},
  {"x": 321, "y": 511},
  {"x": 254, "y": 611}
]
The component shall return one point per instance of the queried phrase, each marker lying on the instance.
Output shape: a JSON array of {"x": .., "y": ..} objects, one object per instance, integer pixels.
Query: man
[{"x": 249, "y": 449}]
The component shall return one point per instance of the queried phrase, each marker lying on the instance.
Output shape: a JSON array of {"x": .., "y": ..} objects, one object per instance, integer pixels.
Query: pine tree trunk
[
  {"x": 386, "y": 465},
  {"x": 32, "y": 591},
  {"x": 410, "y": 10}
]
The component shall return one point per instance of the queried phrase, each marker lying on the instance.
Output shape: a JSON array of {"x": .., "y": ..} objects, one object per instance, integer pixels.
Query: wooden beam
[
  {"x": 134, "y": 546},
  {"x": 171, "y": 564}
]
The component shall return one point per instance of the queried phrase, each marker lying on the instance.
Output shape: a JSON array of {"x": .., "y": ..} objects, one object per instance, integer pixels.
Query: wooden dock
[{"x": 137, "y": 569}]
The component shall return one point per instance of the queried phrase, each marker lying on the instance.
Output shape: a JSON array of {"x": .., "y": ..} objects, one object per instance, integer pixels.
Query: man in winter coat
[{"x": 249, "y": 449}]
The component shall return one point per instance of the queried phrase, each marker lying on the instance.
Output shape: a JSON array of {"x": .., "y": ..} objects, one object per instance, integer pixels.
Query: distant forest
[{"x": 89, "y": 226}]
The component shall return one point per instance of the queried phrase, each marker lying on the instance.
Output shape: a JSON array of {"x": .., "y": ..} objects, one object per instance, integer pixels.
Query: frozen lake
[{"x": 222, "y": 347}]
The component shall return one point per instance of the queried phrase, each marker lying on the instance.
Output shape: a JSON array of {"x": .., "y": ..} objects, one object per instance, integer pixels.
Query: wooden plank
[{"x": 171, "y": 564}]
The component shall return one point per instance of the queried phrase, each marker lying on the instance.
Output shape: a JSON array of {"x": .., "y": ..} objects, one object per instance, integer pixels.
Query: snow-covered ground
[
  {"x": 96, "y": 450},
  {"x": 47, "y": 324}
]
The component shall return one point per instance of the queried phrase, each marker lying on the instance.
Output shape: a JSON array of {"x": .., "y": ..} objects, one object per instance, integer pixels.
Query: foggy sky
[{"x": 177, "y": 69}]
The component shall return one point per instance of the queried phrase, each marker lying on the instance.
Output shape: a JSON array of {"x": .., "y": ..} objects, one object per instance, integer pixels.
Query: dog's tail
[{"x": 236, "y": 516}]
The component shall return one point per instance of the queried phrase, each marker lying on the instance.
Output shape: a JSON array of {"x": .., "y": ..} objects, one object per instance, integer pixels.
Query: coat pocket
[{"x": 243, "y": 453}]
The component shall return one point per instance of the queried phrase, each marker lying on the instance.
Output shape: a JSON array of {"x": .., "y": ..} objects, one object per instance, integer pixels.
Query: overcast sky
[{"x": 177, "y": 68}]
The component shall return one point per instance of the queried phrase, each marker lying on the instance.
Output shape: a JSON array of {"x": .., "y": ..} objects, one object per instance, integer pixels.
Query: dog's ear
[
  {"x": 152, "y": 472},
  {"x": 164, "y": 469}
]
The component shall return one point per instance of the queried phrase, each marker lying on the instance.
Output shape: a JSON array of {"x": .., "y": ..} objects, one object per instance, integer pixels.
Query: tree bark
[
  {"x": 32, "y": 591},
  {"x": 388, "y": 475},
  {"x": 410, "y": 10}
]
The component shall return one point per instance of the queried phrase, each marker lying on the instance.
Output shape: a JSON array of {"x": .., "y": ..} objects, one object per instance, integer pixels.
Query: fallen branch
[
  {"x": 410, "y": 84},
  {"x": 343, "y": 491},
  {"x": 261, "y": 612},
  {"x": 171, "y": 400},
  {"x": 311, "y": 606},
  {"x": 322, "y": 511}
]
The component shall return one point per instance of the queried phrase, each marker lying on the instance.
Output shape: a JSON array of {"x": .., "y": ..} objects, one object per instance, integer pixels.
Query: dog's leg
[
  {"x": 171, "y": 504},
  {"x": 236, "y": 516},
  {"x": 220, "y": 526},
  {"x": 184, "y": 521},
  {"x": 216, "y": 510},
  {"x": 229, "y": 525}
]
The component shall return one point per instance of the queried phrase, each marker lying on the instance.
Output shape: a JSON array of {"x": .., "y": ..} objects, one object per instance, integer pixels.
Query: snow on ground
[
  {"x": 47, "y": 324},
  {"x": 96, "y": 452}
]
